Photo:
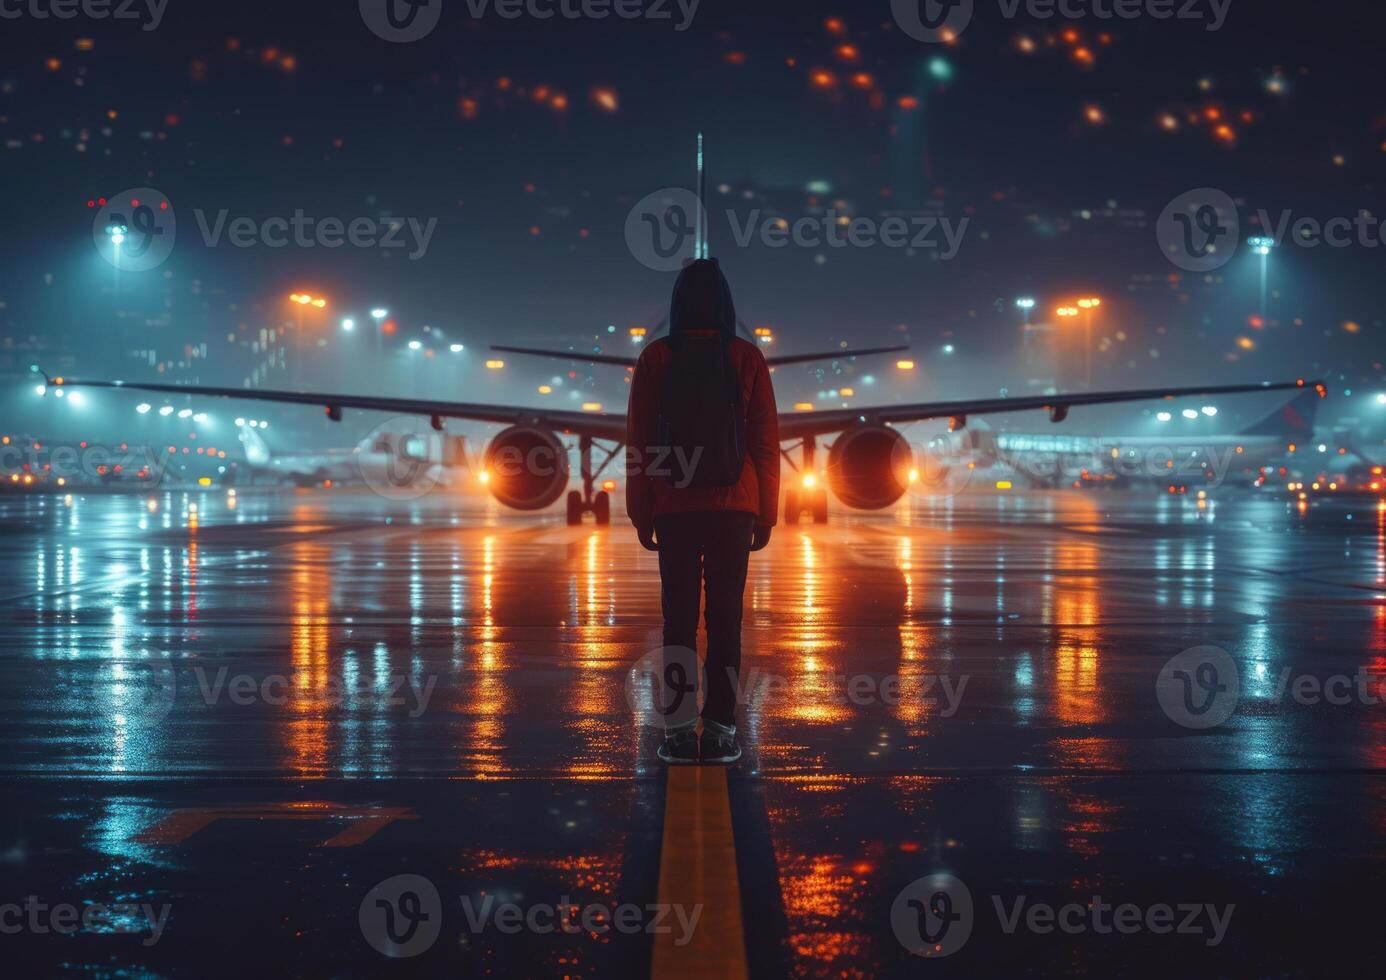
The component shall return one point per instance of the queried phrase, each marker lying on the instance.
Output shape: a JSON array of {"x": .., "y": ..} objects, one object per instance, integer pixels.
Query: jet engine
[
  {"x": 869, "y": 467},
  {"x": 526, "y": 467}
]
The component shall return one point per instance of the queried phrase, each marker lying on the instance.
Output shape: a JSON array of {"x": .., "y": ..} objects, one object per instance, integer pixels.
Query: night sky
[{"x": 529, "y": 141}]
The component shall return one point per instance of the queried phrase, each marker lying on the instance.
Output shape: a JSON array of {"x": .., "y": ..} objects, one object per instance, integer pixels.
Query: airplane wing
[
  {"x": 782, "y": 359},
  {"x": 629, "y": 362},
  {"x": 571, "y": 355},
  {"x": 793, "y": 425},
  {"x": 596, "y": 425},
  {"x": 800, "y": 424}
]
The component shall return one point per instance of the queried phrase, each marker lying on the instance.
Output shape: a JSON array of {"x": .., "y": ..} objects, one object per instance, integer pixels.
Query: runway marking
[
  {"x": 364, "y": 822},
  {"x": 697, "y": 867}
]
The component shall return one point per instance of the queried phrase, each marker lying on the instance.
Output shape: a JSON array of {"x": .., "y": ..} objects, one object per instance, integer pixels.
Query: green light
[{"x": 940, "y": 69}]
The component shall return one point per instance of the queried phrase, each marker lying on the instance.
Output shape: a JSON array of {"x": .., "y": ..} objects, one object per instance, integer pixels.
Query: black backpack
[{"x": 702, "y": 422}]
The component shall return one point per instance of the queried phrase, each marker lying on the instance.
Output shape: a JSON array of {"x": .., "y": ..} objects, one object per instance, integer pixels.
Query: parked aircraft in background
[{"x": 1170, "y": 459}]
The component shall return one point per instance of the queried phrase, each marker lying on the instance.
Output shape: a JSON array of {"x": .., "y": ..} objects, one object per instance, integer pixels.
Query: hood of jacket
[{"x": 702, "y": 300}]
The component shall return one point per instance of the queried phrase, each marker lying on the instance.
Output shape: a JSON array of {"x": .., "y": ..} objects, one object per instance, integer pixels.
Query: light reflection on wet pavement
[{"x": 256, "y": 713}]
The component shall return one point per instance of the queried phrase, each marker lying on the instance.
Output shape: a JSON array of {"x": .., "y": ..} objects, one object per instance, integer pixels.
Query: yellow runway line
[{"x": 697, "y": 866}]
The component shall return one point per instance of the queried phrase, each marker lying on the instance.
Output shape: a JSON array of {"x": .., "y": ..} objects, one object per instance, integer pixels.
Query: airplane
[
  {"x": 1049, "y": 460},
  {"x": 1316, "y": 468},
  {"x": 1359, "y": 466},
  {"x": 387, "y": 457},
  {"x": 870, "y": 465},
  {"x": 405, "y": 459},
  {"x": 869, "y": 462}
]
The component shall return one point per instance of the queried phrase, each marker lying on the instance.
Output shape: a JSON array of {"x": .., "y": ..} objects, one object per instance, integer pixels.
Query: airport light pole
[
  {"x": 348, "y": 327},
  {"x": 378, "y": 315},
  {"x": 1262, "y": 246},
  {"x": 1025, "y": 304},
  {"x": 1088, "y": 303},
  {"x": 1066, "y": 312},
  {"x": 302, "y": 302}
]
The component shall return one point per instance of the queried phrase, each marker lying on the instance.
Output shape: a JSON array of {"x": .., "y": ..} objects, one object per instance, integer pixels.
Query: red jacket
[{"x": 758, "y": 490}]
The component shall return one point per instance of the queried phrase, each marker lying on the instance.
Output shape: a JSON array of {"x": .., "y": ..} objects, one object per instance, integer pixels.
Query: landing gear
[
  {"x": 806, "y": 495},
  {"x": 599, "y": 504},
  {"x": 814, "y": 502}
]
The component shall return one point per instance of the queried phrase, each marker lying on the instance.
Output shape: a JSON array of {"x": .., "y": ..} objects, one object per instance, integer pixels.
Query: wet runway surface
[{"x": 231, "y": 725}]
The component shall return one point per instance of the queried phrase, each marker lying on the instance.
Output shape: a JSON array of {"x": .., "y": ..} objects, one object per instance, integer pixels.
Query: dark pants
[{"x": 711, "y": 548}]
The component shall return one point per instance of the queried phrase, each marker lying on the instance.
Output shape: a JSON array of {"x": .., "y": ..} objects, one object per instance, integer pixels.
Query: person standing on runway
[{"x": 703, "y": 490}]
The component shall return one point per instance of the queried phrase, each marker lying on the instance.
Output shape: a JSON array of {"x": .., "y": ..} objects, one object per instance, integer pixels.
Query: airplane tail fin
[
  {"x": 257, "y": 451},
  {"x": 704, "y": 229},
  {"x": 1294, "y": 420}
]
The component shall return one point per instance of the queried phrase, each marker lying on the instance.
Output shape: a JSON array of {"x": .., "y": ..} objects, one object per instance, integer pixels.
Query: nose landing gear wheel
[
  {"x": 820, "y": 506},
  {"x": 601, "y": 508},
  {"x": 574, "y": 508},
  {"x": 792, "y": 507}
]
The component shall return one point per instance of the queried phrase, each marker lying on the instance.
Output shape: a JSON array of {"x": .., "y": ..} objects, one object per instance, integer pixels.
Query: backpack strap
[
  {"x": 739, "y": 405},
  {"x": 664, "y": 427}
]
